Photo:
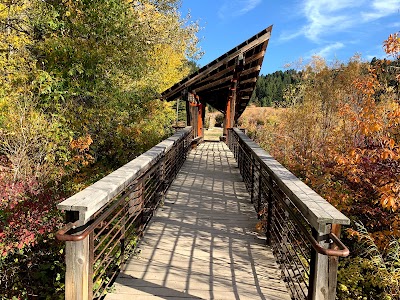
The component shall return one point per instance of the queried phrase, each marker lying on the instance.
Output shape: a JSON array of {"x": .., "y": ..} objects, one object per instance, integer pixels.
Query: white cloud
[
  {"x": 380, "y": 9},
  {"x": 324, "y": 17},
  {"x": 235, "y": 8},
  {"x": 329, "y": 49},
  {"x": 285, "y": 36}
]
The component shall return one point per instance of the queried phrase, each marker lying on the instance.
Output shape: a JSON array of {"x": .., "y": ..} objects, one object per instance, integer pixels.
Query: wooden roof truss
[{"x": 237, "y": 70}]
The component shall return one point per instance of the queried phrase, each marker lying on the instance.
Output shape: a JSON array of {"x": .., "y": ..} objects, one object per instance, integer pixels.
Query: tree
[
  {"x": 341, "y": 134},
  {"x": 79, "y": 87},
  {"x": 270, "y": 88}
]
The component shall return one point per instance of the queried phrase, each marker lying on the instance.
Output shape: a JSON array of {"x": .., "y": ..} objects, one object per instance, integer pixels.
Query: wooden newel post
[
  {"x": 200, "y": 120},
  {"x": 78, "y": 276},
  {"x": 194, "y": 114},
  {"x": 323, "y": 273},
  {"x": 333, "y": 264}
]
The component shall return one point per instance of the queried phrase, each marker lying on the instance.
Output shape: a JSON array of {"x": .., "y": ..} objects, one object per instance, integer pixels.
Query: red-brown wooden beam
[
  {"x": 230, "y": 110},
  {"x": 195, "y": 114},
  {"x": 200, "y": 121}
]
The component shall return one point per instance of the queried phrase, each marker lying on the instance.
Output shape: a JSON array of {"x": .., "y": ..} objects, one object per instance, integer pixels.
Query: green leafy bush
[
  {"x": 35, "y": 272},
  {"x": 219, "y": 120},
  {"x": 370, "y": 273}
]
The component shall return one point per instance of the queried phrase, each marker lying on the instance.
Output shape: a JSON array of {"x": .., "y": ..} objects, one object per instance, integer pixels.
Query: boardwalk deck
[{"x": 202, "y": 243}]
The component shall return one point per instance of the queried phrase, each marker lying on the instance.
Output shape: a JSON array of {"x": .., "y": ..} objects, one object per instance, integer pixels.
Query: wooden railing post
[
  {"x": 333, "y": 264},
  {"x": 78, "y": 276},
  {"x": 319, "y": 286}
]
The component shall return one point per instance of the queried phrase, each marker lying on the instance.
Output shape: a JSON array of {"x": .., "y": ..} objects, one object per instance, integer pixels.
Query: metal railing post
[
  {"x": 239, "y": 158},
  {"x": 235, "y": 148},
  {"x": 252, "y": 179},
  {"x": 162, "y": 182},
  {"x": 259, "y": 197},
  {"x": 270, "y": 207}
]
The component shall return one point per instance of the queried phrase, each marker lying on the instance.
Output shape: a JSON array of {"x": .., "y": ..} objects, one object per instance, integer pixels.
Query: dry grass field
[
  {"x": 252, "y": 116},
  {"x": 213, "y": 134},
  {"x": 259, "y": 115}
]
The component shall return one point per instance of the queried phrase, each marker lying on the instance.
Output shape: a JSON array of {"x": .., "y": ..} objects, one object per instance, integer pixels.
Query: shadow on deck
[{"x": 202, "y": 243}]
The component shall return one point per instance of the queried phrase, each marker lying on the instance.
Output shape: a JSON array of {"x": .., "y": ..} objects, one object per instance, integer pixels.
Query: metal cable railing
[
  {"x": 300, "y": 226},
  {"x": 105, "y": 242}
]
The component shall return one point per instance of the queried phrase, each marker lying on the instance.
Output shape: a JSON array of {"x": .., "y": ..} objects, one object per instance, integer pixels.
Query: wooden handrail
[
  {"x": 317, "y": 210},
  {"x": 104, "y": 218},
  {"x": 90, "y": 200},
  {"x": 301, "y": 226},
  {"x": 343, "y": 251}
]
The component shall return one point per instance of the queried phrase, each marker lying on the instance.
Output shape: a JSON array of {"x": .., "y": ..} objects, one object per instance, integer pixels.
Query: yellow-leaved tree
[{"x": 79, "y": 87}]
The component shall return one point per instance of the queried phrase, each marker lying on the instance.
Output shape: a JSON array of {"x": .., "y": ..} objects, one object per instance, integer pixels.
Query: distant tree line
[
  {"x": 275, "y": 89},
  {"x": 270, "y": 88}
]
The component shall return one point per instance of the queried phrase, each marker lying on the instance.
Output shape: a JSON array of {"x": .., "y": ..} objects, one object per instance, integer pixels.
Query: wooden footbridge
[{"x": 190, "y": 219}]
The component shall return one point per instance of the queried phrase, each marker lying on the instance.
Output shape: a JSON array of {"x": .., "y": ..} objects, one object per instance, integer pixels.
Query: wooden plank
[
  {"x": 202, "y": 243},
  {"x": 251, "y": 80},
  {"x": 251, "y": 70},
  {"x": 255, "y": 57},
  {"x": 215, "y": 76},
  {"x": 247, "y": 89},
  {"x": 212, "y": 84}
]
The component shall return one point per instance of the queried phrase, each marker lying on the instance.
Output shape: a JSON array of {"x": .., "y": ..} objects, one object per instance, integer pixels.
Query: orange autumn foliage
[
  {"x": 343, "y": 138},
  {"x": 374, "y": 158},
  {"x": 80, "y": 149}
]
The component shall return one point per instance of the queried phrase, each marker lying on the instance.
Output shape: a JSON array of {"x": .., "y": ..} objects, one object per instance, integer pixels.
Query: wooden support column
[
  {"x": 203, "y": 115},
  {"x": 193, "y": 110},
  {"x": 230, "y": 110},
  {"x": 185, "y": 97},
  {"x": 200, "y": 120},
  {"x": 195, "y": 114},
  {"x": 232, "y": 122},
  {"x": 228, "y": 118},
  {"x": 319, "y": 288},
  {"x": 78, "y": 275}
]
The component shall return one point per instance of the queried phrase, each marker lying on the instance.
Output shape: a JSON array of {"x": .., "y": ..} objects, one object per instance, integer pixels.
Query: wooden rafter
[{"x": 213, "y": 83}]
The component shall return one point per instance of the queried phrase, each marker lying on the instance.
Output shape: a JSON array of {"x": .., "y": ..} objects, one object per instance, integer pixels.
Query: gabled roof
[{"x": 213, "y": 82}]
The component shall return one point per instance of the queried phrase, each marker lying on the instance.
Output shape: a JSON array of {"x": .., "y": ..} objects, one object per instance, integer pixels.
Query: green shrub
[
  {"x": 34, "y": 272},
  {"x": 219, "y": 120},
  {"x": 370, "y": 274}
]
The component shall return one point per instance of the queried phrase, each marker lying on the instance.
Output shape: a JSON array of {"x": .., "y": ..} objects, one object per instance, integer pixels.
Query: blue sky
[{"x": 333, "y": 29}]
